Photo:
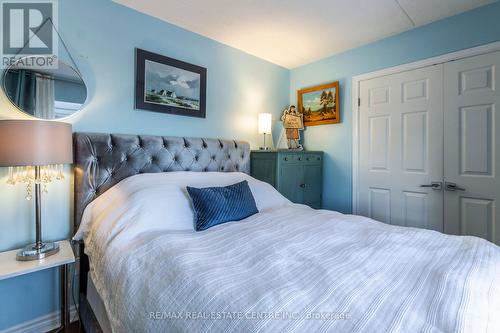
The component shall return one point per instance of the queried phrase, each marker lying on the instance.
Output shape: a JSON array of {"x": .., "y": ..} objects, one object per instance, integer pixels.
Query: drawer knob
[
  {"x": 300, "y": 158},
  {"x": 285, "y": 159},
  {"x": 307, "y": 159},
  {"x": 303, "y": 185}
]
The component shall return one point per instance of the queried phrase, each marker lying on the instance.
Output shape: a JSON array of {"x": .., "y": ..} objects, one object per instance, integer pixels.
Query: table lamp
[
  {"x": 34, "y": 151},
  {"x": 265, "y": 120}
]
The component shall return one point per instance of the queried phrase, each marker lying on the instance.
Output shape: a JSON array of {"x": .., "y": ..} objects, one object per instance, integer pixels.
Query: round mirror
[{"x": 51, "y": 93}]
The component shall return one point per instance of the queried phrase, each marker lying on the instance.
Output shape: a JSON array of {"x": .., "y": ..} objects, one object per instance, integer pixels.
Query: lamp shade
[
  {"x": 265, "y": 120},
  {"x": 35, "y": 142}
]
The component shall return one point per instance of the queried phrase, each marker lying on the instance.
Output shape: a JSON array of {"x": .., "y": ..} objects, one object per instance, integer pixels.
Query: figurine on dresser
[{"x": 293, "y": 124}]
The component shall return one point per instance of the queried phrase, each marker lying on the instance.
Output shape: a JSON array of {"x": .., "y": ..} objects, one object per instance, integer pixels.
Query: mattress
[
  {"x": 97, "y": 306},
  {"x": 288, "y": 268}
]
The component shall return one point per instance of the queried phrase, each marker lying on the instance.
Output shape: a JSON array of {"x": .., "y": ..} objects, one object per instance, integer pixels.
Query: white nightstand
[{"x": 10, "y": 267}]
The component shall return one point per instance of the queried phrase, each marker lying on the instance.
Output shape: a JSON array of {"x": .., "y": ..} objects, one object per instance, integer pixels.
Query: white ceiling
[{"x": 291, "y": 33}]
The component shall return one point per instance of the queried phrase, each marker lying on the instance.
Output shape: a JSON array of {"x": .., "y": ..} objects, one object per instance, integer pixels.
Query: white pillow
[{"x": 159, "y": 201}]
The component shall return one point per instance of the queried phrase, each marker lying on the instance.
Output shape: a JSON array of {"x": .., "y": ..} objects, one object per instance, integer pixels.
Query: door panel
[
  {"x": 263, "y": 167},
  {"x": 472, "y": 154},
  {"x": 415, "y": 209},
  {"x": 415, "y": 90},
  {"x": 415, "y": 141},
  {"x": 476, "y": 217},
  {"x": 379, "y": 132},
  {"x": 401, "y": 148},
  {"x": 476, "y": 146},
  {"x": 379, "y": 204},
  {"x": 290, "y": 180},
  {"x": 312, "y": 183}
]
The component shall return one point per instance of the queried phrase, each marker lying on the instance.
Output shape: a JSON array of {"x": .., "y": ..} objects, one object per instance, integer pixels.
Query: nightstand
[
  {"x": 297, "y": 174},
  {"x": 10, "y": 267}
]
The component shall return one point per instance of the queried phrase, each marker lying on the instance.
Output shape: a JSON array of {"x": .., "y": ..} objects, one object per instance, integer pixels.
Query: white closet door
[
  {"x": 401, "y": 148},
  {"x": 472, "y": 146}
]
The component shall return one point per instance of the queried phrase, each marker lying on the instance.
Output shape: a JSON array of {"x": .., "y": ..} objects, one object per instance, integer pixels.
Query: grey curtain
[{"x": 24, "y": 94}]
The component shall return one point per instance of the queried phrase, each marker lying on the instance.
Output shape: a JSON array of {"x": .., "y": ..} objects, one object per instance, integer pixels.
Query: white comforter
[{"x": 288, "y": 268}]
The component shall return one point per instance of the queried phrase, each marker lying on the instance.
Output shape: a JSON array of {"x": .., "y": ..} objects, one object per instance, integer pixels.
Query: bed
[{"x": 288, "y": 268}]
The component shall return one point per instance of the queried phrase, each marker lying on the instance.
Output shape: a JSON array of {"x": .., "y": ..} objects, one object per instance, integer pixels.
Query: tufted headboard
[{"x": 102, "y": 160}]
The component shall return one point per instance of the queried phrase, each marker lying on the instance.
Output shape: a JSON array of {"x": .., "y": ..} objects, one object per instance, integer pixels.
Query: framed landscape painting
[
  {"x": 319, "y": 104},
  {"x": 167, "y": 85}
]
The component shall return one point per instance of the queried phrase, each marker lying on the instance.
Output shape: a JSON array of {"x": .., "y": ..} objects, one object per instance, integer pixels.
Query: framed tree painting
[
  {"x": 319, "y": 104},
  {"x": 167, "y": 85}
]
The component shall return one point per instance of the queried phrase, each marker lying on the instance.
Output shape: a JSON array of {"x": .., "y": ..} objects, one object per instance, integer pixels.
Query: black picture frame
[{"x": 141, "y": 56}]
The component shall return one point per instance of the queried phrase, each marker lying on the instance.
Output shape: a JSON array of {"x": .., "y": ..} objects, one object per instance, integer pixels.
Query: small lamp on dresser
[
  {"x": 265, "y": 122},
  {"x": 35, "y": 151}
]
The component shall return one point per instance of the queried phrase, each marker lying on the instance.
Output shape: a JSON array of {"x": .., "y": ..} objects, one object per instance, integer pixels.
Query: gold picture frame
[{"x": 319, "y": 104}]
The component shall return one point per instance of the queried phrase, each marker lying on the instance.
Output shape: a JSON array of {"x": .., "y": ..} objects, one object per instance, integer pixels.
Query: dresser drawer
[
  {"x": 312, "y": 158},
  {"x": 301, "y": 158},
  {"x": 289, "y": 158}
]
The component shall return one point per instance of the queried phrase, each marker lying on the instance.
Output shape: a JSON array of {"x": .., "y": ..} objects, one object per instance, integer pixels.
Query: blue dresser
[{"x": 295, "y": 174}]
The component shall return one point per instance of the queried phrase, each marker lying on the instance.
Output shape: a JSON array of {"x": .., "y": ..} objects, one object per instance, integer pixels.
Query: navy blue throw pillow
[{"x": 216, "y": 205}]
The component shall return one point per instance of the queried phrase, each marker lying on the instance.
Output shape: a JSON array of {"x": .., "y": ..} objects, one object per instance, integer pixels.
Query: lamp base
[{"x": 30, "y": 252}]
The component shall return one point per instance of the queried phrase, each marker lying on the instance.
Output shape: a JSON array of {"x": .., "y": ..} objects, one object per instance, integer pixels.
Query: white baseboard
[{"x": 41, "y": 324}]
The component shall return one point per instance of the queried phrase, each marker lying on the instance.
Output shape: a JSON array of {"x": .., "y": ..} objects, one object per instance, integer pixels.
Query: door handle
[
  {"x": 453, "y": 187},
  {"x": 434, "y": 185}
]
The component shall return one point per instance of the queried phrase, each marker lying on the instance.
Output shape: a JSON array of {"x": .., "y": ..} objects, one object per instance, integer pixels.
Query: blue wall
[
  {"x": 102, "y": 36},
  {"x": 463, "y": 31}
]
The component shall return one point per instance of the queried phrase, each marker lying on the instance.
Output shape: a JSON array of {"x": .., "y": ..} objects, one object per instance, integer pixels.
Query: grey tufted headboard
[{"x": 102, "y": 160}]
